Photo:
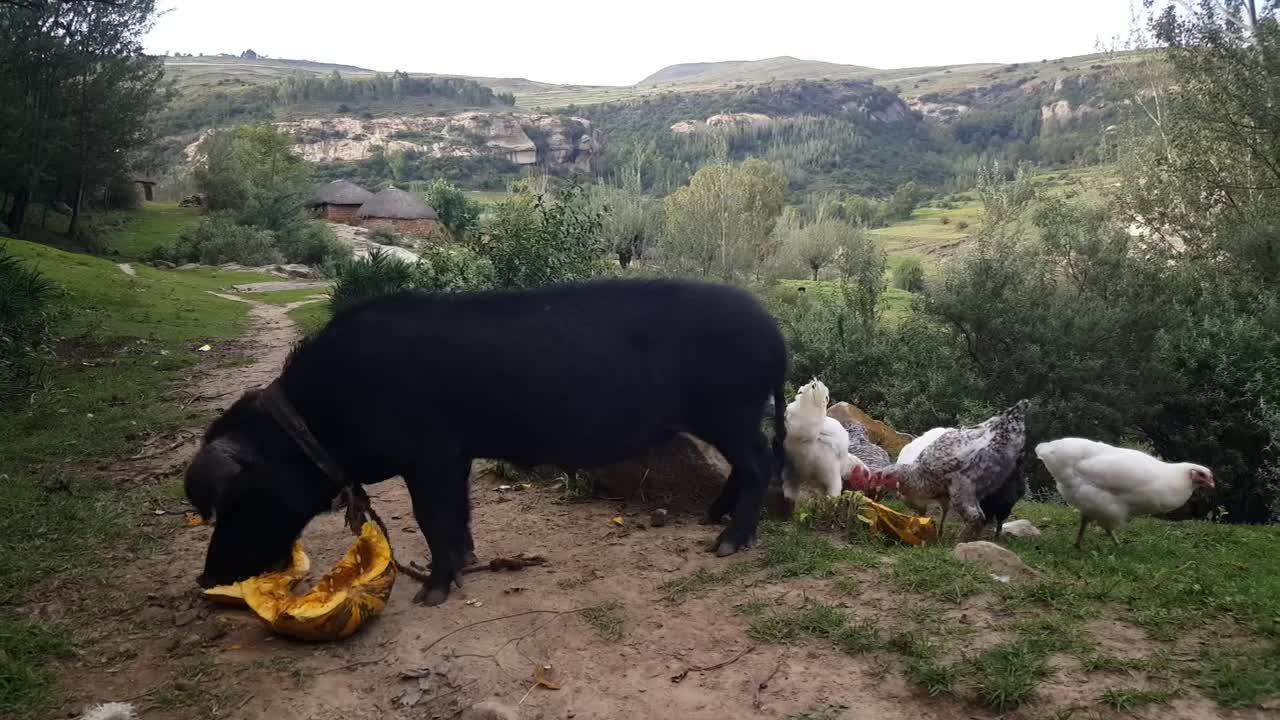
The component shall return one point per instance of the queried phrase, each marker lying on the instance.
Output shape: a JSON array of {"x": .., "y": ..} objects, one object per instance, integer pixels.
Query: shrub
[
  {"x": 454, "y": 267},
  {"x": 534, "y": 241},
  {"x": 384, "y": 235},
  {"x": 909, "y": 275},
  {"x": 945, "y": 220},
  {"x": 359, "y": 279},
  {"x": 963, "y": 225},
  {"x": 25, "y": 309},
  {"x": 312, "y": 243},
  {"x": 219, "y": 239}
]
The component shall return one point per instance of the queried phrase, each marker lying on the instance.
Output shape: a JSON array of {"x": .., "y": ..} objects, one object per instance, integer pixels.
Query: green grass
[
  {"x": 124, "y": 341},
  {"x": 1174, "y": 581},
  {"x": 155, "y": 225},
  {"x": 284, "y": 297},
  {"x": 1126, "y": 699},
  {"x": 704, "y": 579},
  {"x": 925, "y": 236},
  {"x": 606, "y": 620},
  {"x": 933, "y": 571},
  {"x": 24, "y": 648},
  {"x": 780, "y": 626},
  {"x": 311, "y": 317},
  {"x": 1008, "y": 674}
]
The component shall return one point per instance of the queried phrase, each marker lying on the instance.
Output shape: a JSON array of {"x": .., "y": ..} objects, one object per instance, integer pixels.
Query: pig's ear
[{"x": 213, "y": 474}]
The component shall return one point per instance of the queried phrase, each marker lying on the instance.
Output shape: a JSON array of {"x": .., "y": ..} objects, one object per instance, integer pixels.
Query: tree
[
  {"x": 909, "y": 275},
  {"x": 632, "y": 222},
  {"x": 904, "y": 200},
  {"x": 819, "y": 243},
  {"x": 75, "y": 98},
  {"x": 535, "y": 240},
  {"x": 720, "y": 224},
  {"x": 862, "y": 264},
  {"x": 459, "y": 214}
]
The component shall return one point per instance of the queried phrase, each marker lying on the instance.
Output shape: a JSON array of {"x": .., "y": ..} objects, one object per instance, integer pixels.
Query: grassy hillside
[{"x": 778, "y": 68}]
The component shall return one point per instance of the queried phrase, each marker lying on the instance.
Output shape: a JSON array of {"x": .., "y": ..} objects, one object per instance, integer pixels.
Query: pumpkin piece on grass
[
  {"x": 281, "y": 581},
  {"x": 344, "y": 599},
  {"x": 909, "y": 529}
]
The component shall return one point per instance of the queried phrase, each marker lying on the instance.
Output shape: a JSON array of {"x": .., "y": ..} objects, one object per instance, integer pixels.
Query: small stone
[
  {"x": 997, "y": 560},
  {"x": 184, "y": 617},
  {"x": 658, "y": 518},
  {"x": 1020, "y": 528},
  {"x": 490, "y": 710}
]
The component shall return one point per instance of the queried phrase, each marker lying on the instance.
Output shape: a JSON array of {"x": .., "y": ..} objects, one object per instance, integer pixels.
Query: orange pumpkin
[
  {"x": 354, "y": 591},
  {"x": 281, "y": 581}
]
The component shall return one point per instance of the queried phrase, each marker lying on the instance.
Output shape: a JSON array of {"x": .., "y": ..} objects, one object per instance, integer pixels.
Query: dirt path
[{"x": 155, "y": 643}]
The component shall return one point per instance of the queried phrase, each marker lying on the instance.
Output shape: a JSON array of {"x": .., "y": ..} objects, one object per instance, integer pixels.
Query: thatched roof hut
[
  {"x": 339, "y": 200},
  {"x": 393, "y": 204},
  {"x": 401, "y": 211},
  {"x": 340, "y": 192}
]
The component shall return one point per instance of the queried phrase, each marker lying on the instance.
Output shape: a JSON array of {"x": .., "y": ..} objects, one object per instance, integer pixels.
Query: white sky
[{"x": 613, "y": 43}]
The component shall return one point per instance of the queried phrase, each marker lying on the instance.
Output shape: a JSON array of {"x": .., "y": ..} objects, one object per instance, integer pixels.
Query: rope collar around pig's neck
[{"x": 286, "y": 416}]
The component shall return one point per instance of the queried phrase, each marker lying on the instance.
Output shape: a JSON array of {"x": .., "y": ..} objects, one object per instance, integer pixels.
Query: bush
[
  {"x": 454, "y": 267},
  {"x": 359, "y": 279},
  {"x": 534, "y": 241},
  {"x": 219, "y": 239},
  {"x": 25, "y": 309},
  {"x": 963, "y": 225},
  {"x": 909, "y": 275},
  {"x": 384, "y": 235},
  {"x": 311, "y": 243},
  {"x": 944, "y": 220}
]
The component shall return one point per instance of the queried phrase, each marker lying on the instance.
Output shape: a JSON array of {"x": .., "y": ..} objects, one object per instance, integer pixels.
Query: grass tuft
[{"x": 606, "y": 620}]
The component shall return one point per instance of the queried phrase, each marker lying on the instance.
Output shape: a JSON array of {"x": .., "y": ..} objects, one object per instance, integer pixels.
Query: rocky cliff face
[{"x": 522, "y": 138}]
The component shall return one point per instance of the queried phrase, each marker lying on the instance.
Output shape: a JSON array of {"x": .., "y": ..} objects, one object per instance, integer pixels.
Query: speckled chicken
[
  {"x": 861, "y": 447},
  {"x": 958, "y": 468}
]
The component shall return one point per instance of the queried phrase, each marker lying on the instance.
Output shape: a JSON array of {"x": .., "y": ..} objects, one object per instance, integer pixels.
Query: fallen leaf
[
  {"x": 205, "y": 348},
  {"x": 679, "y": 676},
  {"x": 415, "y": 673},
  {"x": 617, "y": 520},
  {"x": 192, "y": 520}
]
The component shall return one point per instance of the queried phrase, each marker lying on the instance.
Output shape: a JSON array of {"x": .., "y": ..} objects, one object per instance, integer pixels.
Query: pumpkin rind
[{"x": 354, "y": 591}]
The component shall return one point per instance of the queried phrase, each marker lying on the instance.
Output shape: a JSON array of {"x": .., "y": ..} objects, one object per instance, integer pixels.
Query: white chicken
[
  {"x": 1108, "y": 485},
  {"x": 817, "y": 446}
]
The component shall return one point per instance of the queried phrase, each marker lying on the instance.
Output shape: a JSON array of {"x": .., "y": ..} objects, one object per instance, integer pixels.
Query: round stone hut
[
  {"x": 339, "y": 200},
  {"x": 403, "y": 212}
]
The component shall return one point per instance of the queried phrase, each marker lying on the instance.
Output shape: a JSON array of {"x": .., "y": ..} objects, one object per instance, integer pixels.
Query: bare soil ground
[{"x": 151, "y": 640}]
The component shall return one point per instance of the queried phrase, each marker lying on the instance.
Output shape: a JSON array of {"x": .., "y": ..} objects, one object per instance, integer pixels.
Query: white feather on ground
[
  {"x": 1108, "y": 485},
  {"x": 817, "y": 446},
  {"x": 111, "y": 711}
]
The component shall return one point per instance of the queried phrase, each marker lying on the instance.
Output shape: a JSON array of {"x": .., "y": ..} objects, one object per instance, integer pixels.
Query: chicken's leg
[
  {"x": 1084, "y": 522},
  {"x": 942, "y": 522}
]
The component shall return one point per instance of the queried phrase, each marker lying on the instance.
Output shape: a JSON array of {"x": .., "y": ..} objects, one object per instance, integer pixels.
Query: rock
[
  {"x": 1021, "y": 528},
  {"x": 490, "y": 710},
  {"x": 163, "y": 264},
  {"x": 658, "y": 518},
  {"x": 879, "y": 433},
  {"x": 189, "y": 266},
  {"x": 230, "y": 267},
  {"x": 685, "y": 472},
  {"x": 522, "y": 138},
  {"x": 296, "y": 270},
  {"x": 999, "y": 561}
]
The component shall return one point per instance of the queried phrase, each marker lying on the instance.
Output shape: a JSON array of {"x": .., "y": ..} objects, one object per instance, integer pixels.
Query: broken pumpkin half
[
  {"x": 278, "y": 581},
  {"x": 354, "y": 591}
]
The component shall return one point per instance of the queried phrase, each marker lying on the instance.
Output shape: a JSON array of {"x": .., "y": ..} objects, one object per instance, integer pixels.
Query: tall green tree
[
  {"x": 459, "y": 214},
  {"x": 720, "y": 224},
  {"x": 76, "y": 95}
]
